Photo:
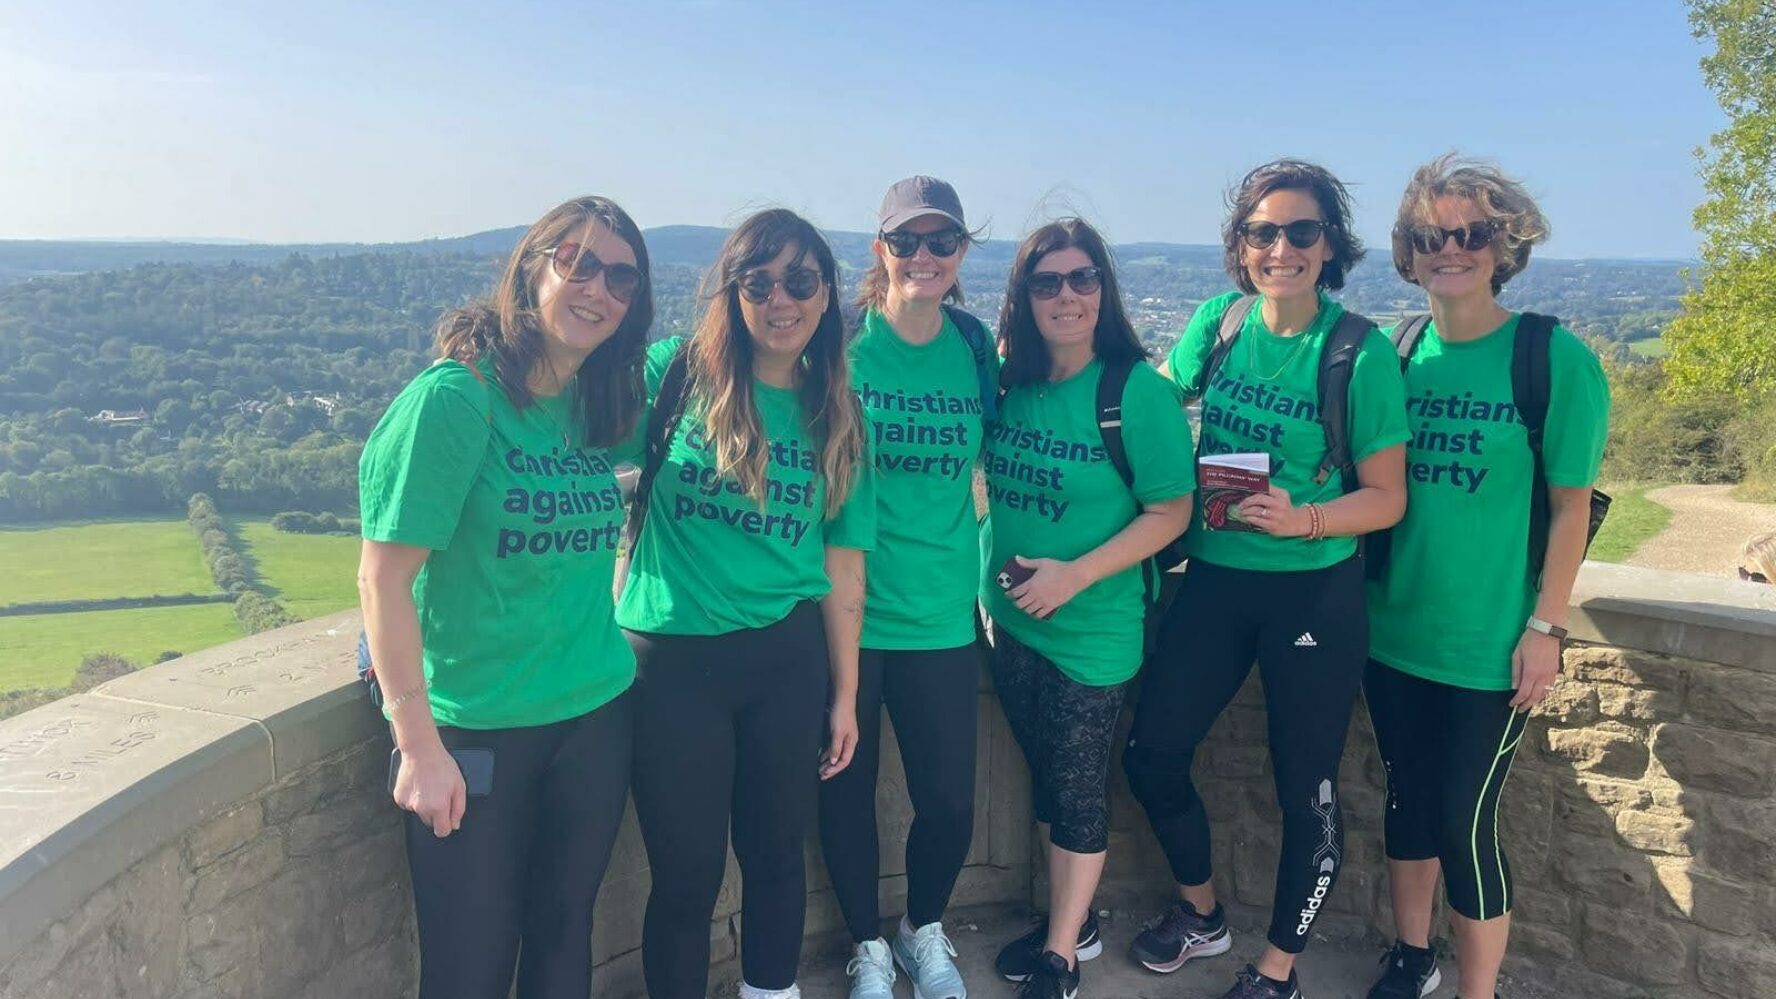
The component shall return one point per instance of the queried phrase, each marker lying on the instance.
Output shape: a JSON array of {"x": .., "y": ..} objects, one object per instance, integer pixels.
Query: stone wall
[{"x": 217, "y": 826}]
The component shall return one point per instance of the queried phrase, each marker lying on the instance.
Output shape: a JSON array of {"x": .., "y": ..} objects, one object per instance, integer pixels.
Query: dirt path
[{"x": 1707, "y": 529}]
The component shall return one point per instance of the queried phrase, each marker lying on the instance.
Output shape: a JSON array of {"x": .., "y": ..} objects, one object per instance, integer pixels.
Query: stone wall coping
[
  {"x": 93, "y": 783},
  {"x": 1710, "y": 618}
]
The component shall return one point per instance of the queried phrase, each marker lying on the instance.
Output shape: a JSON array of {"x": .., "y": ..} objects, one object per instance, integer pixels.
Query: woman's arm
[
  {"x": 429, "y": 783},
  {"x": 1057, "y": 581},
  {"x": 842, "y": 610},
  {"x": 1536, "y": 661},
  {"x": 1378, "y": 502}
]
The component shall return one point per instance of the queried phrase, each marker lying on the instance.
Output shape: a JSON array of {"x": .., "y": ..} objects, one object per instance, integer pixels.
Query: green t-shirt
[
  {"x": 1266, "y": 398},
  {"x": 1052, "y": 492},
  {"x": 1459, "y": 585},
  {"x": 923, "y": 405},
  {"x": 514, "y": 600},
  {"x": 712, "y": 560}
]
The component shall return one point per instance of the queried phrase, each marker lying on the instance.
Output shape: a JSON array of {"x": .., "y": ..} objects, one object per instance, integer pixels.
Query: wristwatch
[{"x": 1547, "y": 628}]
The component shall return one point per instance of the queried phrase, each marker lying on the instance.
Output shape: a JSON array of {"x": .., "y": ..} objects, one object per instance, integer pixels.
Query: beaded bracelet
[
  {"x": 408, "y": 695},
  {"x": 1317, "y": 522}
]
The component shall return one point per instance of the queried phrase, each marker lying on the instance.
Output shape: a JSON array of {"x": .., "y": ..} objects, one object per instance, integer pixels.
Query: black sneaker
[
  {"x": 1051, "y": 979},
  {"x": 1019, "y": 959},
  {"x": 1249, "y": 984},
  {"x": 1410, "y": 972},
  {"x": 1179, "y": 934}
]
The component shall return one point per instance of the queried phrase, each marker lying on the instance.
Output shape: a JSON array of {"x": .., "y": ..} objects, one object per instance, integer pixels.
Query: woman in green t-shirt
[
  {"x": 491, "y": 517},
  {"x": 1070, "y": 525},
  {"x": 744, "y": 601},
  {"x": 1280, "y": 583},
  {"x": 923, "y": 369},
  {"x": 1466, "y": 621}
]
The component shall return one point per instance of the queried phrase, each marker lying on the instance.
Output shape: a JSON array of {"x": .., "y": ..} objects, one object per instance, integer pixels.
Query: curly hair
[{"x": 1498, "y": 197}]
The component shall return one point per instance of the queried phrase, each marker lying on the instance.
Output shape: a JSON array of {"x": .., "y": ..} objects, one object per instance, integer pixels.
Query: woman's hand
[
  {"x": 1535, "y": 664},
  {"x": 842, "y": 743},
  {"x": 1275, "y": 515},
  {"x": 430, "y": 785},
  {"x": 1054, "y": 583}
]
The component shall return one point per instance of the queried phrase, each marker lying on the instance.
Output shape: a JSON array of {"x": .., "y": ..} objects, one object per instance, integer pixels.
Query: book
[{"x": 1224, "y": 480}]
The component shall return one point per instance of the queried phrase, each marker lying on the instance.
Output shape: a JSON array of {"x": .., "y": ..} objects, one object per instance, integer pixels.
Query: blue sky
[{"x": 390, "y": 121}]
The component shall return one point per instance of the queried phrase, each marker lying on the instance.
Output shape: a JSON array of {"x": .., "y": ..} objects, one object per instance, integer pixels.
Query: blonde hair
[
  {"x": 1759, "y": 555},
  {"x": 1499, "y": 198}
]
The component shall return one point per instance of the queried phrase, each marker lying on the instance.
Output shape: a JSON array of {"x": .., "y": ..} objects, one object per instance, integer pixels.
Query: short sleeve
[
  {"x": 1377, "y": 399},
  {"x": 1191, "y": 352},
  {"x": 421, "y": 459},
  {"x": 1157, "y": 435},
  {"x": 659, "y": 357},
  {"x": 854, "y": 526},
  {"x": 1578, "y": 412}
]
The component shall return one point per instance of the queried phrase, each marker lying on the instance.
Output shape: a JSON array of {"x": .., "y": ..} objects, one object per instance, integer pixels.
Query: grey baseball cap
[{"x": 916, "y": 196}]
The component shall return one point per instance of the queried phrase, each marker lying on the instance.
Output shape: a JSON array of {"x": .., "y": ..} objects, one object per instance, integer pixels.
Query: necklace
[
  {"x": 542, "y": 405},
  {"x": 1252, "y": 357}
]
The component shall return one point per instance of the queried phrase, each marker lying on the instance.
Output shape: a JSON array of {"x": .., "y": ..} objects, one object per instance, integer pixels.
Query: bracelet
[
  {"x": 395, "y": 703},
  {"x": 1316, "y": 522}
]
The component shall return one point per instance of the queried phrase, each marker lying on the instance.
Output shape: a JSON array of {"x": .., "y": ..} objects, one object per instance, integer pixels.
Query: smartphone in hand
[
  {"x": 476, "y": 766},
  {"x": 1013, "y": 574}
]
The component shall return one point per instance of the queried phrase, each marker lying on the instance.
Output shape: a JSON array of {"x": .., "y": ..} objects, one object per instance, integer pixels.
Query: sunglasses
[
  {"x": 1429, "y": 239},
  {"x": 1047, "y": 284},
  {"x": 1301, "y": 233},
  {"x": 1752, "y": 577},
  {"x": 802, "y": 283},
  {"x": 576, "y": 265},
  {"x": 942, "y": 243}
]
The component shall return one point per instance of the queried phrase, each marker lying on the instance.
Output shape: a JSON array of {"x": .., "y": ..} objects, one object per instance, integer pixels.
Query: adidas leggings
[
  {"x": 1309, "y": 633},
  {"x": 728, "y": 732},
  {"x": 932, "y": 696},
  {"x": 1447, "y": 751}
]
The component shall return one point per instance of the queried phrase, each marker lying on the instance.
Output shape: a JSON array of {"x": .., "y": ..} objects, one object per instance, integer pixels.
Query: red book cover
[{"x": 1224, "y": 480}]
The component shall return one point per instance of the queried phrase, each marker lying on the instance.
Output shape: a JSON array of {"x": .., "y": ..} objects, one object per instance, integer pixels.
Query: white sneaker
[
  {"x": 928, "y": 959},
  {"x": 871, "y": 971},
  {"x": 754, "y": 992}
]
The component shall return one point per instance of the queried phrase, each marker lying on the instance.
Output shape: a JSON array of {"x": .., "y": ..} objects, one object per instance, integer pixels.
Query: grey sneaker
[
  {"x": 871, "y": 971},
  {"x": 927, "y": 956},
  {"x": 1179, "y": 934}
]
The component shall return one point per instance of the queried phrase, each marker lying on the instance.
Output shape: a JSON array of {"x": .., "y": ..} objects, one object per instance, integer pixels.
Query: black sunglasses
[
  {"x": 1047, "y": 284},
  {"x": 1752, "y": 577},
  {"x": 802, "y": 283},
  {"x": 942, "y": 243},
  {"x": 577, "y": 266},
  {"x": 1301, "y": 233},
  {"x": 1429, "y": 239}
]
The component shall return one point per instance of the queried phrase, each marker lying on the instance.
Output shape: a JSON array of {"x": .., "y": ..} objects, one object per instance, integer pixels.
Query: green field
[
  {"x": 99, "y": 559},
  {"x": 1654, "y": 347},
  {"x": 42, "y": 650},
  {"x": 312, "y": 574},
  {"x": 1632, "y": 520}
]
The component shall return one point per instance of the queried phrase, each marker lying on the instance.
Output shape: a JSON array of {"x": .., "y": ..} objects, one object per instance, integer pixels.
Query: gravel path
[{"x": 1708, "y": 528}]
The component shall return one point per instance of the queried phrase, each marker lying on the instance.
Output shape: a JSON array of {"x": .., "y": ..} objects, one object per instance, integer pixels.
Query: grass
[
  {"x": 1632, "y": 520},
  {"x": 311, "y": 574},
  {"x": 1649, "y": 348},
  {"x": 97, "y": 559},
  {"x": 43, "y": 650}
]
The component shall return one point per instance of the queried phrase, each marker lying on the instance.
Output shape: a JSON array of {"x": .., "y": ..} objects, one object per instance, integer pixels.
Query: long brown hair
[
  {"x": 721, "y": 354},
  {"x": 608, "y": 388},
  {"x": 1026, "y": 354}
]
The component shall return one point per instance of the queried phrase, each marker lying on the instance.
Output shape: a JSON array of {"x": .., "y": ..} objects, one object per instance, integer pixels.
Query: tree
[{"x": 1723, "y": 343}]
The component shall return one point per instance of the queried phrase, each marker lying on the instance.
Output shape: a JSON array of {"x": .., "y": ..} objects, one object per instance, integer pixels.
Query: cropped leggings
[
  {"x": 525, "y": 865},
  {"x": 931, "y": 696},
  {"x": 1309, "y": 633},
  {"x": 1447, "y": 751},
  {"x": 728, "y": 731}
]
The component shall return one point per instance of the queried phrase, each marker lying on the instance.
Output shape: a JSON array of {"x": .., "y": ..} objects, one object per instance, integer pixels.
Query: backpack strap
[
  {"x": 1338, "y": 359},
  {"x": 974, "y": 334},
  {"x": 1531, "y": 385},
  {"x": 663, "y": 420},
  {"x": 1112, "y": 379},
  {"x": 1232, "y": 321},
  {"x": 1406, "y": 336}
]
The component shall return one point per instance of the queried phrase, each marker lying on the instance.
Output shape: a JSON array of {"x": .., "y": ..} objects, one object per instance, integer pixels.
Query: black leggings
[
  {"x": 728, "y": 729},
  {"x": 1447, "y": 751},
  {"x": 526, "y": 863},
  {"x": 1309, "y": 632},
  {"x": 931, "y": 696},
  {"x": 1065, "y": 729}
]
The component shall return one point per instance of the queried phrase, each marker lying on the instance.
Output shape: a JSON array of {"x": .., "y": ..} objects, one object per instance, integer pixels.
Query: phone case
[{"x": 476, "y": 766}]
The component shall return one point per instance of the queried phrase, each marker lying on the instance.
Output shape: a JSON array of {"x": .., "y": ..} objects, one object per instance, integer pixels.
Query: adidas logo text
[{"x": 1306, "y": 641}]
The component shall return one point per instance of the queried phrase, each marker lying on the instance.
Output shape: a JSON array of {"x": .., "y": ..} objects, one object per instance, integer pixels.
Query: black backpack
[
  {"x": 1338, "y": 359},
  {"x": 1531, "y": 386},
  {"x": 663, "y": 419}
]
